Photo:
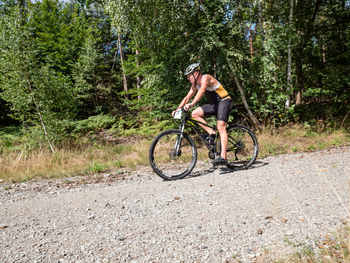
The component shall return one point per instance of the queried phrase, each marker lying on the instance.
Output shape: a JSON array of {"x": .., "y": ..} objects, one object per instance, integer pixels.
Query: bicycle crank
[{"x": 211, "y": 155}]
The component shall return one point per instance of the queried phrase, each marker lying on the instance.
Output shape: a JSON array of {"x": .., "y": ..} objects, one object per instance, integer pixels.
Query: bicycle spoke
[
  {"x": 171, "y": 160},
  {"x": 242, "y": 148}
]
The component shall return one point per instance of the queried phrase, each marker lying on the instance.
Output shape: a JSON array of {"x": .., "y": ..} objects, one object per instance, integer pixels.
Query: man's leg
[
  {"x": 224, "y": 108},
  {"x": 223, "y": 137},
  {"x": 198, "y": 115}
]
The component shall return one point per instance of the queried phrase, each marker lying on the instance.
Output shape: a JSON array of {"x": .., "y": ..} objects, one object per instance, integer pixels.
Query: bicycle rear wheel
[
  {"x": 170, "y": 162},
  {"x": 242, "y": 148}
]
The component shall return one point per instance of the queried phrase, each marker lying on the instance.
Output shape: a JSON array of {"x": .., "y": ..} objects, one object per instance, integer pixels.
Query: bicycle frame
[
  {"x": 173, "y": 153},
  {"x": 194, "y": 124}
]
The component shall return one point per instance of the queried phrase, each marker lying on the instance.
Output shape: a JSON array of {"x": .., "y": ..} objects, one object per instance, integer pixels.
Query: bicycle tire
[
  {"x": 163, "y": 160},
  {"x": 242, "y": 148}
]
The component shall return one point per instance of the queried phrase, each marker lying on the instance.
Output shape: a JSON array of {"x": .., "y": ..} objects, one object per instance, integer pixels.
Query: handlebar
[{"x": 179, "y": 116}]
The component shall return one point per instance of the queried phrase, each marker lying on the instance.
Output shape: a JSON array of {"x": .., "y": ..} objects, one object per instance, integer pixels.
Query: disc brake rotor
[{"x": 173, "y": 155}]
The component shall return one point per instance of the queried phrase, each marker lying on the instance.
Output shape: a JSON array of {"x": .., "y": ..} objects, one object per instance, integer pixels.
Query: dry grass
[
  {"x": 22, "y": 165},
  {"x": 336, "y": 249},
  {"x": 295, "y": 138},
  {"x": 331, "y": 249}
]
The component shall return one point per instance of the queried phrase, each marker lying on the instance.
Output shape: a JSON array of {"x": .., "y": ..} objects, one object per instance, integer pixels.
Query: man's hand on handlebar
[{"x": 188, "y": 106}]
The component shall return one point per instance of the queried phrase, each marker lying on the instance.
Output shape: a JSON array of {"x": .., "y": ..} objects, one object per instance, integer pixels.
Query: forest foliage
[{"x": 75, "y": 67}]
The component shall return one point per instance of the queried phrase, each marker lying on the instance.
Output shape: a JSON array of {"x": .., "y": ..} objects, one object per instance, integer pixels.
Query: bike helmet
[{"x": 191, "y": 68}]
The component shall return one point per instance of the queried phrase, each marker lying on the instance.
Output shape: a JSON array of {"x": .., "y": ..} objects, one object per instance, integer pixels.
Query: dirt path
[{"x": 214, "y": 216}]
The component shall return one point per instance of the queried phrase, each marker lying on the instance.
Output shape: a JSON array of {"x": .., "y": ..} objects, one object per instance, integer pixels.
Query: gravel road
[{"x": 213, "y": 216}]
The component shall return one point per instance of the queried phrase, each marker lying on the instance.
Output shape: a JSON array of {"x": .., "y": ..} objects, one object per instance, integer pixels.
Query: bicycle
[{"x": 173, "y": 153}]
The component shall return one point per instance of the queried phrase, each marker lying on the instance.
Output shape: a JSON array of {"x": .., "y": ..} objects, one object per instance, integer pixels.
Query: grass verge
[
  {"x": 18, "y": 164},
  {"x": 22, "y": 165},
  {"x": 296, "y": 138},
  {"x": 332, "y": 248}
]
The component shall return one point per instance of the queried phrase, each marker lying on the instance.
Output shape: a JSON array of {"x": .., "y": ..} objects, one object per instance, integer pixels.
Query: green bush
[
  {"x": 10, "y": 138},
  {"x": 93, "y": 124}
]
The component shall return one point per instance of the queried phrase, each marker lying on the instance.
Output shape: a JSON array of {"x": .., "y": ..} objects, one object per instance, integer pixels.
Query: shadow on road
[
  {"x": 201, "y": 173},
  {"x": 257, "y": 164},
  {"x": 225, "y": 170}
]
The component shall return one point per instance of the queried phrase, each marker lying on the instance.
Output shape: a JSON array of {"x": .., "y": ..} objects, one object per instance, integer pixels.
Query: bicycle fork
[{"x": 177, "y": 151}]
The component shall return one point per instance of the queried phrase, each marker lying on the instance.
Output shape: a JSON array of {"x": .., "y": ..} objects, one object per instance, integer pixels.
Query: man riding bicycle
[{"x": 220, "y": 104}]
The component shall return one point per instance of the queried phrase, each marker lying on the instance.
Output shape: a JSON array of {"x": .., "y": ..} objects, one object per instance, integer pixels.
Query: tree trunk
[
  {"x": 214, "y": 70},
  {"x": 138, "y": 79},
  {"x": 289, "y": 68},
  {"x": 121, "y": 52},
  {"x": 251, "y": 44},
  {"x": 252, "y": 117},
  {"x": 323, "y": 54},
  {"x": 299, "y": 79},
  {"x": 260, "y": 18},
  {"x": 298, "y": 98},
  {"x": 304, "y": 28},
  {"x": 40, "y": 116}
]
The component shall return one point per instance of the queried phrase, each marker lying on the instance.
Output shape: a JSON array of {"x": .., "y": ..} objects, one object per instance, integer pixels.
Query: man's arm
[
  {"x": 200, "y": 93},
  {"x": 189, "y": 95}
]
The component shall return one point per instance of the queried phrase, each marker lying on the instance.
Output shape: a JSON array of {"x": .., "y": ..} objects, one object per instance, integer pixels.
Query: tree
[
  {"x": 282, "y": 59},
  {"x": 289, "y": 66},
  {"x": 37, "y": 95}
]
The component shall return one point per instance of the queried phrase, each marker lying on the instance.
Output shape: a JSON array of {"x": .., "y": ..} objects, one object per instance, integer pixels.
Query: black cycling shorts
[{"x": 222, "y": 109}]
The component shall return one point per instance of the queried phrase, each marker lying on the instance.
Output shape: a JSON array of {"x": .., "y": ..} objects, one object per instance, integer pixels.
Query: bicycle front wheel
[
  {"x": 242, "y": 148},
  {"x": 173, "y": 156}
]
